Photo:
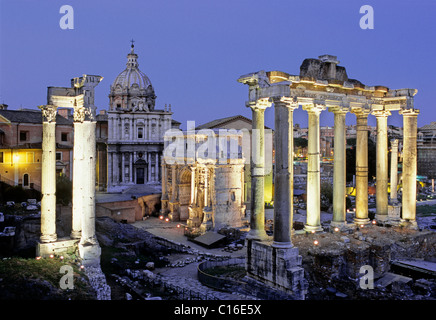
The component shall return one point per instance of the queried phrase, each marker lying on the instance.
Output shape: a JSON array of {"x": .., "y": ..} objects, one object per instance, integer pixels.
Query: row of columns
[
  {"x": 283, "y": 183},
  {"x": 83, "y": 211}
]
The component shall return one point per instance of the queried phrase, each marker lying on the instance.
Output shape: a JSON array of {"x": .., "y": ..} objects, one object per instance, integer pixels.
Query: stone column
[
  {"x": 361, "y": 167},
  {"x": 313, "y": 207},
  {"x": 339, "y": 168},
  {"x": 89, "y": 249},
  {"x": 156, "y": 167},
  {"x": 382, "y": 164},
  {"x": 48, "y": 174},
  {"x": 78, "y": 173},
  {"x": 257, "y": 212},
  {"x": 149, "y": 166},
  {"x": 284, "y": 171},
  {"x": 410, "y": 128},
  {"x": 394, "y": 171}
]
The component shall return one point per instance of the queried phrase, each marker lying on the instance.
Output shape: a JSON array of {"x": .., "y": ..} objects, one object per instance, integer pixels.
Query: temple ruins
[
  {"x": 322, "y": 85},
  {"x": 80, "y": 97}
]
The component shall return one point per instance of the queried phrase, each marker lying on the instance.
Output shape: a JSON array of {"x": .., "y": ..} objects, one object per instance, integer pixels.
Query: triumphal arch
[{"x": 321, "y": 85}]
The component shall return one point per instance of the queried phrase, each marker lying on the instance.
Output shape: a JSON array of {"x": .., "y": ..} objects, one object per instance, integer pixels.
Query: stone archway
[{"x": 185, "y": 176}]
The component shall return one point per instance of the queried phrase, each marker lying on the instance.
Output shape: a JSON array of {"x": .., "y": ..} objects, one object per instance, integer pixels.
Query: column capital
[
  {"x": 339, "y": 109},
  {"x": 48, "y": 112},
  {"x": 81, "y": 114},
  {"x": 315, "y": 107},
  {"x": 288, "y": 102},
  {"x": 360, "y": 111},
  {"x": 409, "y": 112},
  {"x": 260, "y": 104},
  {"x": 381, "y": 113}
]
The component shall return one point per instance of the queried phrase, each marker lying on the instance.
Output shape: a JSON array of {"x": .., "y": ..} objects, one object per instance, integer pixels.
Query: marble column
[
  {"x": 361, "y": 167},
  {"x": 284, "y": 171},
  {"x": 339, "y": 168},
  {"x": 313, "y": 207},
  {"x": 382, "y": 164},
  {"x": 48, "y": 174},
  {"x": 410, "y": 128},
  {"x": 89, "y": 249},
  {"x": 156, "y": 167},
  {"x": 77, "y": 197},
  {"x": 149, "y": 167},
  {"x": 257, "y": 212},
  {"x": 394, "y": 170}
]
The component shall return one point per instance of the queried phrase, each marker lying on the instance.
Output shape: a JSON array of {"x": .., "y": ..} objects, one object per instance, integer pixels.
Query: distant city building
[
  {"x": 426, "y": 148},
  {"x": 135, "y": 129},
  {"x": 21, "y": 147}
]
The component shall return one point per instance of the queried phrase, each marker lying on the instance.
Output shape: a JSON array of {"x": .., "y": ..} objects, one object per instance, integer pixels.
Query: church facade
[{"x": 135, "y": 129}]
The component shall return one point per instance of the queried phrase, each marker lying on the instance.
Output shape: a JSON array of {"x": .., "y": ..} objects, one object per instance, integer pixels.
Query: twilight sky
[{"x": 193, "y": 51}]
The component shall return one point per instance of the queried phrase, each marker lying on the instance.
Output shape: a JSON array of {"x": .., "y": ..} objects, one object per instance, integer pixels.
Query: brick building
[{"x": 21, "y": 146}]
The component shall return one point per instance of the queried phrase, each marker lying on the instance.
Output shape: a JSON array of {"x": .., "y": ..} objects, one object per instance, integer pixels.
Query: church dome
[{"x": 132, "y": 76}]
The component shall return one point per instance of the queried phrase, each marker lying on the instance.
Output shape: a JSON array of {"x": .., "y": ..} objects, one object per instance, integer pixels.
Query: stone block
[
  {"x": 279, "y": 268},
  {"x": 90, "y": 254},
  {"x": 60, "y": 246}
]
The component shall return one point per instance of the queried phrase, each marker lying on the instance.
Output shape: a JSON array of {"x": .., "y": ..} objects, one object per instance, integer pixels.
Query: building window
[
  {"x": 64, "y": 136},
  {"x": 23, "y": 135},
  {"x": 30, "y": 157},
  {"x": 140, "y": 133},
  {"x": 25, "y": 180},
  {"x": 1, "y": 157},
  {"x": 58, "y": 156}
]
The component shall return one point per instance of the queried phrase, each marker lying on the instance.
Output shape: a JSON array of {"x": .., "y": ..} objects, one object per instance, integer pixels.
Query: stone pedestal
[
  {"x": 394, "y": 214},
  {"x": 61, "y": 246},
  {"x": 90, "y": 253},
  {"x": 279, "y": 268}
]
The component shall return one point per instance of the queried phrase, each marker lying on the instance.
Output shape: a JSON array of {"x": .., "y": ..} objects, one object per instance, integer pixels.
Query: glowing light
[
  {"x": 313, "y": 231},
  {"x": 316, "y": 242},
  {"x": 51, "y": 256},
  {"x": 178, "y": 226},
  {"x": 38, "y": 258},
  {"x": 82, "y": 267},
  {"x": 161, "y": 217},
  {"x": 61, "y": 257},
  {"x": 374, "y": 222},
  {"x": 166, "y": 219},
  {"x": 362, "y": 225},
  {"x": 336, "y": 229}
]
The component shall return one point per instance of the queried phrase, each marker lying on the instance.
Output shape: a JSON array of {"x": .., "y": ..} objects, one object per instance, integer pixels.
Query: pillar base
[
  {"x": 382, "y": 218},
  {"x": 76, "y": 234},
  {"x": 409, "y": 224},
  {"x": 360, "y": 221},
  {"x": 47, "y": 238},
  {"x": 90, "y": 254},
  {"x": 281, "y": 245},
  {"x": 312, "y": 229},
  {"x": 257, "y": 235}
]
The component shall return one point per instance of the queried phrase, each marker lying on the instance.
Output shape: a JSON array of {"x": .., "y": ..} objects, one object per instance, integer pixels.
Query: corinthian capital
[
  {"x": 48, "y": 113},
  {"x": 81, "y": 114},
  {"x": 259, "y": 104},
  {"x": 288, "y": 102}
]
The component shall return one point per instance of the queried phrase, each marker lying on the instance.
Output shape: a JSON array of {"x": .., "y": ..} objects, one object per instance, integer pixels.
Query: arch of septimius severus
[{"x": 321, "y": 85}]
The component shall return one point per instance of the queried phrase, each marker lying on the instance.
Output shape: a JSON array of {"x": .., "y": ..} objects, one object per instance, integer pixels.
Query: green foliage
[
  {"x": 64, "y": 190},
  {"x": 300, "y": 142}
]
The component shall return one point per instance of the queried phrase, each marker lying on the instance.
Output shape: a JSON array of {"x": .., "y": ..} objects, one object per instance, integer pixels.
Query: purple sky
[{"x": 194, "y": 51}]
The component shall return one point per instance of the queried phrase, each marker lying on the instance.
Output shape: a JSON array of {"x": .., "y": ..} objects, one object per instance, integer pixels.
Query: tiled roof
[{"x": 30, "y": 116}]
